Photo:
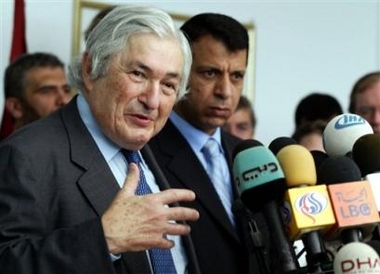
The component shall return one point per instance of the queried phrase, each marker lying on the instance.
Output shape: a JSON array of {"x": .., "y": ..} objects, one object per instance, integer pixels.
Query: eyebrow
[
  {"x": 216, "y": 68},
  {"x": 147, "y": 68}
]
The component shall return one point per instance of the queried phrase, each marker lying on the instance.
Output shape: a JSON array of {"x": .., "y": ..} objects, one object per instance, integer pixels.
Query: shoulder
[
  {"x": 227, "y": 137},
  {"x": 229, "y": 141}
]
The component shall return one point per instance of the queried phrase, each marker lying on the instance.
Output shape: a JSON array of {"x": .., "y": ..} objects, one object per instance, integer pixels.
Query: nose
[
  {"x": 223, "y": 87},
  {"x": 375, "y": 120},
  {"x": 151, "y": 96},
  {"x": 63, "y": 97},
  {"x": 234, "y": 131},
  {"x": 376, "y": 116}
]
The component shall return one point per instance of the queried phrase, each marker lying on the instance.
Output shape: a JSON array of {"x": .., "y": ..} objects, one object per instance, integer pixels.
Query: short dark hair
[
  {"x": 244, "y": 103},
  {"x": 316, "y": 126},
  {"x": 221, "y": 27},
  {"x": 14, "y": 77},
  {"x": 317, "y": 106},
  {"x": 362, "y": 84}
]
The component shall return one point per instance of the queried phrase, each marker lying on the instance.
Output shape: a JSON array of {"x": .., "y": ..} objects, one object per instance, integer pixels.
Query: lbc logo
[{"x": 357, "y": 210}]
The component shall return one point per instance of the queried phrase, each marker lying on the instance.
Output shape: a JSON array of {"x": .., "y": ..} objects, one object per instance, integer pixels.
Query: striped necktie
[
  {"x": 219, "y": 175},
  {"x": 161, "y": 259}
]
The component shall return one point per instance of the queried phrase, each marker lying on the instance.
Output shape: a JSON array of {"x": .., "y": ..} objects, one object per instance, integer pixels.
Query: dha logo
[
  {"x": 311, "y": 204},
  {"x": 348, "y": 120}
]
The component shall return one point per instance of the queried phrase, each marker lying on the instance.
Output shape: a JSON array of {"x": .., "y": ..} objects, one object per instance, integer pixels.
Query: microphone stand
[
  {"x": 315, "y": 252},
  {"x": 254, "y": 239}
]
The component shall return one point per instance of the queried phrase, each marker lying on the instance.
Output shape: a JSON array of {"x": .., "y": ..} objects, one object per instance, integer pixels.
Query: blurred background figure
[
  {"x": 365, "y": 99},
  {"x": 35, "y": 85},
  {"x": 312, "y": 114},
  {"x": 310, "y": 135},
  {"x": 317, "y": 106},
  {"x": 242, "y": 122}
]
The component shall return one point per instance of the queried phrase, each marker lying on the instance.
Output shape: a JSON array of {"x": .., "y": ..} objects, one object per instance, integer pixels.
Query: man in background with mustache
[{"x": 220, "y": 54}]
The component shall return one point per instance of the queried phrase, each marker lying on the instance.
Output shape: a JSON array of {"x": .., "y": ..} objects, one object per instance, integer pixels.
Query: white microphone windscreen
[
  {"x": 356, "y": 257},
  {"x": 342, "y": 131}
]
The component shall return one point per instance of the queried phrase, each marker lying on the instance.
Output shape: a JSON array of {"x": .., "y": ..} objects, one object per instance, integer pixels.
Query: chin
[
  {"x": 143, "y": 139},
  {"x": 219, "y": 123},
  {"x": 137, "y": 145}
]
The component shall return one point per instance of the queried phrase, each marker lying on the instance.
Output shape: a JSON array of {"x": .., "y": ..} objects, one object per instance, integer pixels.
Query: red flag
[
  {"x": 18, "y": 48},
  {"x": 19, "y": 38}
]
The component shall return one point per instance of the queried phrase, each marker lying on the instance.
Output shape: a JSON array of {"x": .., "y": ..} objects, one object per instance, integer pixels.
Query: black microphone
[
  {"x": 366, "y": 154},
  {"x": 319, "y": 157},
  {"x": 261, "y": 185},
  {"x": 280, "y": 142}
]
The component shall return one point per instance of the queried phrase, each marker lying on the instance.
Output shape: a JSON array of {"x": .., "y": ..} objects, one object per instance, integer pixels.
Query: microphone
[
  {"x": 352, "y": 200},
  {"x": 356, "y": 258},
  {"x": 260, "y": 182},
  {"x": 280, "y": 142},
  {"x": 319, "y": 157},
  {"x": 366, "y": 154},
  {"x": 342, "y": 131},
  {"x": 309, "y": 203}
]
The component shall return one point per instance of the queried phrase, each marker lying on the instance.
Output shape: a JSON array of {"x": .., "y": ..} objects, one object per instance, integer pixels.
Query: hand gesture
[{"x": 136, "y": 223}]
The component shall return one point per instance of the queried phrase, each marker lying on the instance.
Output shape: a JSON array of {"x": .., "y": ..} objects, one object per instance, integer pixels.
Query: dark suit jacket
[
  {"x": 219, "y": 247},
  {"x": 54, "y": 187}
]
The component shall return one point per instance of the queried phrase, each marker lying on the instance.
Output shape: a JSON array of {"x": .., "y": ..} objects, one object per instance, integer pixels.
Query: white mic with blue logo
[{"x": 342, "y": 132}]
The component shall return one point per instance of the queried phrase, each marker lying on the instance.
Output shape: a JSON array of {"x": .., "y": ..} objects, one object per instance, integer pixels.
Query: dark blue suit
[{"x": 220, "y": 248}]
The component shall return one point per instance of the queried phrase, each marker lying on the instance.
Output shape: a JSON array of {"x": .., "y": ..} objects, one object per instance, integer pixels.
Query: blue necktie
[
  {"x": 161, "y": 259},
  {"x": 219, "y": 175}
]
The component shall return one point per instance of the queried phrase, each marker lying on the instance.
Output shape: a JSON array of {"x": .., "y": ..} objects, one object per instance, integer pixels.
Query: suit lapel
[
  {"x": 97, "y": 181},
  {"x": 191, "y": 174},
  {"x": 229, "y": 146},
  {"x": 163, "y": 183}
]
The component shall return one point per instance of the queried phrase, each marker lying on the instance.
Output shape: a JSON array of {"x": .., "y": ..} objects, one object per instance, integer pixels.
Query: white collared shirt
[{"x": 119, "y": 167}]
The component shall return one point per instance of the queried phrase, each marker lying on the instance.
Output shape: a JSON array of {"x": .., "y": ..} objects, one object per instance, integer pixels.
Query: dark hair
[
  {"x": 317, "y": 106},
  {"x": 221, "y": 27},
  {"x": 244, "y": 103},
  {"x": 316, "y": 126},
  {"x": 14, "y": 77},
  {"x": 362, "y": 84}
]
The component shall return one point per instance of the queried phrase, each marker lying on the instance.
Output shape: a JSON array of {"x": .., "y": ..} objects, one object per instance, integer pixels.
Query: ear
[
  {"x": 14, "y": 107},
  {"x": 86, "y": 71}
]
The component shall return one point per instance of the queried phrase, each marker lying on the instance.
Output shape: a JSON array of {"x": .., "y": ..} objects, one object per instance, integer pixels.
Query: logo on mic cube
[
  {"x": 310, "y": 209},
  {"x": 255, "y": 167},
  {"x": 354, "y": 206}
]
